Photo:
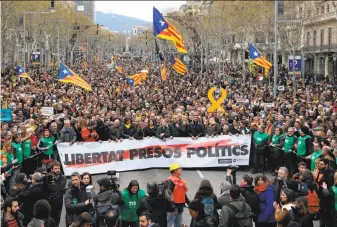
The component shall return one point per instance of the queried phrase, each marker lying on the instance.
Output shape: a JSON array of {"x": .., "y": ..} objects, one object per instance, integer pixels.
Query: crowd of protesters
[{"x": 294, "y": 137}]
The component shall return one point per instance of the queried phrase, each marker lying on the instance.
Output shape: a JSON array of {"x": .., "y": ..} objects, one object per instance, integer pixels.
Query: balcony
[
  {"x": 315, "y": 19},
  {"x": 321, "y": 48}
]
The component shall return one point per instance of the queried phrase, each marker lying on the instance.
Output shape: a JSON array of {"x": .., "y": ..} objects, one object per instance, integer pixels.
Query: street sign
[
  {"x": 35, "y": 57},
  {"x": 294, "y": 65}
]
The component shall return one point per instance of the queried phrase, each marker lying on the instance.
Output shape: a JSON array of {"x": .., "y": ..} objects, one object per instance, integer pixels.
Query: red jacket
[{"x": 86, "y": 135}]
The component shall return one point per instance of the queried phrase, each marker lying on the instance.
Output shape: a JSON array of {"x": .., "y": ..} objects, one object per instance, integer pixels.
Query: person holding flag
[
  {"x": 68, "y": 76},
  {"x": 258, "y": 59},
  {"x": 23, "y": 74}
]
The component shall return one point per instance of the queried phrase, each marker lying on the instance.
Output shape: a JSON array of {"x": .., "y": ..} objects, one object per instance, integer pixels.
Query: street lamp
[{"x": 51, "y": 10}]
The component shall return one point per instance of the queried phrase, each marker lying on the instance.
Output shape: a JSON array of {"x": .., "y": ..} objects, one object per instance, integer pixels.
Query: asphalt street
[{"x": 191, "y": 176}]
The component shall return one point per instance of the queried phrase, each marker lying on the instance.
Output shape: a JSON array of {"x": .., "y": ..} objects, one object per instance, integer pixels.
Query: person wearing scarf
[{"x": 265, "y": 191}]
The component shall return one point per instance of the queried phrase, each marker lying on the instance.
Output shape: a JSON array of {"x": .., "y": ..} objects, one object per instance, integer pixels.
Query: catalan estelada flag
[
  {"x": 68, "y": 76},
  {"x": 144, "y": 74},
  {"x": 163, "y": 73},
  {"x": 259, "y": 59},
  {"x": 137, "y": 79},
  {"x": 164, "y": 30},
  {"x": 23, "y": 74},
  {"x": 178, "y": 65},
  {"x": 119, "y": 69},
  {"x": 84, "y": 64}
]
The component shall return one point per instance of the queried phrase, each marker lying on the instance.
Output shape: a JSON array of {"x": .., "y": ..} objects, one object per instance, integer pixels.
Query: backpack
[
  {"x": 313, "y": 202},
  {"x": 208, "y": 206},
  {"x": 102, "y": 209},
  {"x": 242, "y": 218},
  {"x": 253, "y": 200},
  {"x": 302, "y": 189}
]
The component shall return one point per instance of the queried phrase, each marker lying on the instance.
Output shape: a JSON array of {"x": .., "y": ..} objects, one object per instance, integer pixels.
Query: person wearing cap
[
  {"x": 89, "y": 133},
  {"x": 178, "y": 189},
  {"x": 105, "y": 196}
]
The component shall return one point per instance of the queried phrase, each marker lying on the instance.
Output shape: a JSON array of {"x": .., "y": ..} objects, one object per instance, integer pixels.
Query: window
[
  {"x": 329, "y": 36},
  {"x": 314, "y": 38},
  {"x": 328, "y": 8},
  {"x": 322, "y": 36},
  {"x": 309, "y": 13},
  {"x": 308, "y": 38},
  {"x": 317, "y": 11},
  {"x": 322, "y": 9},
  {"x": 300, "y": 11}
]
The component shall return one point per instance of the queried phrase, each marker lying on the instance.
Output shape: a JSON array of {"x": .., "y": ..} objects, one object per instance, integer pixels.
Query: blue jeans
[
  {"x": 12, "y": 179},
  {"x": 174, "y": 221}
]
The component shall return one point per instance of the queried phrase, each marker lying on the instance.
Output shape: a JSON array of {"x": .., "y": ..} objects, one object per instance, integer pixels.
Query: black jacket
[
  {"x": 175, "y": 132},
  {"x": 150, "y": 131},
  {"x": 158, "y": 207},
  {"x": 161, "y": 130},
  {"x": 29, "y": 197},
  {"x": 115, "y": 133},
  {"x": 129, "y": 132},
  {"x": 104, "y": 197},
  {"x": 103, "y": 132},
  {"x": 59, "y": 188},
  {"x": 139, "y": 134},
  {"x": 213, "y": 130},
  {"x": 279, "y": 185},
  {"x": 204, "y": 221},
  {"x": 195, "y": 129},
  {"x": 74, "y": 199}
]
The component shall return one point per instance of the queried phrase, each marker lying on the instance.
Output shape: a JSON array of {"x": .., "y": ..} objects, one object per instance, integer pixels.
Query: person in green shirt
[
  {"x": 131, "y": 197},
  {"x": 260, "y": 142},
  {"x": 317, "y": 153},
  {"x": 290, "y": 159},
  {"x": 277, "y": 143},
  {"x": 47, "y": 141},
  {"x": 17, "y": 154},
  {"x": 304, "y": 145}
]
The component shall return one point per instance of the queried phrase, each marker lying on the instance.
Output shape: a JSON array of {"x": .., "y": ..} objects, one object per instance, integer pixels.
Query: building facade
[
  {"x": 320, "y": 38},
  {"x": 138, "y": 30},
  {"x": 87, "y": 8}
]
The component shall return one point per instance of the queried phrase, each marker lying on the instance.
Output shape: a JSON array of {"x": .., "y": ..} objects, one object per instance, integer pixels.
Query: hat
[
  {"x": 174, "y": 166},
  {"x": 105, "y": 182}
]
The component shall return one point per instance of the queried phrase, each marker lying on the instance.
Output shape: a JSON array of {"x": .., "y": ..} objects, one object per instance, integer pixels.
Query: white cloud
[{"x": 138, "y": 9}]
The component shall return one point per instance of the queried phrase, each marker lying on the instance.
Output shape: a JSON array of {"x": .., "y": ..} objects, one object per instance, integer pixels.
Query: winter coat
[
  {"x": 18, "y": 217},
  {"x": 29, "y": 197},
  {"x": 150, "y": 131},
  {"x": 195, "y": 129},
  {"x": 129, "y": 132},
  {"x": 67, "y": 135},
  {"x": 213, "y": 130},
  {"x": 86, "y": 135},
  {"x": 204, "y": 221},
  {"x": 115, "y": 133},
  {"x": 103, "y": 132},
  {"x": 227, "y": 215},
  {"x": 139, "y": 134},
  {"x": 175, "y": 132},
  {"x": 158, "y": 207},
  {"x": 266, "y": 206},
  {"x": 161, "y": 130},
  {"x": 59, "y": 188},
  {"x": 106, "y": 196},
  {"x": 74, "y": 199}
]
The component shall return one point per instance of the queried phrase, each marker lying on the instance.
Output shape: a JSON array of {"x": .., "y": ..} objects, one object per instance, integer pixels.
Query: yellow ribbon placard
[{"x": 216, "y": 104}]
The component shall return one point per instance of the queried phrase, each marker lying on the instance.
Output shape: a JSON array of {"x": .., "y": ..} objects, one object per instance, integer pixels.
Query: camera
[
  {"x": 234, "y": 169},
  {"x": 114, "y": 180},
  {"x": 162, "y": 190},
  {"x": 48, "y": 180}
]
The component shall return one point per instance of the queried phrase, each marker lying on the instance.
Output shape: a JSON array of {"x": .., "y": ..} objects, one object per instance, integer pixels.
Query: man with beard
[
  {"x": 195, "y": 129},
  {"x": 11, "y": 216},
  {"x": 76, "y": 200},
  {"x": 56, "y": 199}
]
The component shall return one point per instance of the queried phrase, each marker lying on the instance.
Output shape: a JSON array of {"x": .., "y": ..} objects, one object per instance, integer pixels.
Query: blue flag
[{"x": 130, "y": 81}]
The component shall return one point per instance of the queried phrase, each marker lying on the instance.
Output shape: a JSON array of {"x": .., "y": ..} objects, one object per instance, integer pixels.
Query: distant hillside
[{"x": 117, "y": 22}]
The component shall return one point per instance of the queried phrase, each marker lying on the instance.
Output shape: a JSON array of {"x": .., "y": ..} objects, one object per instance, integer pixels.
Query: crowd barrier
[{"x": 147, "y": 153}]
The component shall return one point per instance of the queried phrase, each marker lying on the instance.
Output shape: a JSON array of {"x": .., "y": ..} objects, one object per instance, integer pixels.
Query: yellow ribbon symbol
[{"x": 216, "y": 104}]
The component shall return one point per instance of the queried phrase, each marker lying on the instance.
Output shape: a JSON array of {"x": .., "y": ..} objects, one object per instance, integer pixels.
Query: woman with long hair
[
  {"x": 206, "y": 195},
  {"x": 131, "y": 197},
  {"x": 287, "y": 202},
  {"x": 300, "y": 213},
  {"x": 86, "y": 179},
  {"x": 151, "y": 129},
  {"x": 266, "y": 195}
]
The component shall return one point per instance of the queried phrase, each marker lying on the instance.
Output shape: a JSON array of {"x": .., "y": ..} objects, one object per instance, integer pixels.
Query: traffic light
[{"x": 52, "y": 4}]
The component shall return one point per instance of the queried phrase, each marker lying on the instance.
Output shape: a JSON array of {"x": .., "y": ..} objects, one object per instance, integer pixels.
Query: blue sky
[{"x": 137, "y": 9}]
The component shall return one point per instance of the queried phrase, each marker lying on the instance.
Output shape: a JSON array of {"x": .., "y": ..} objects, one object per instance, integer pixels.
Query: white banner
[
  {"x": 47, "y": 111},
  {"x": 97, "y": 157}
]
